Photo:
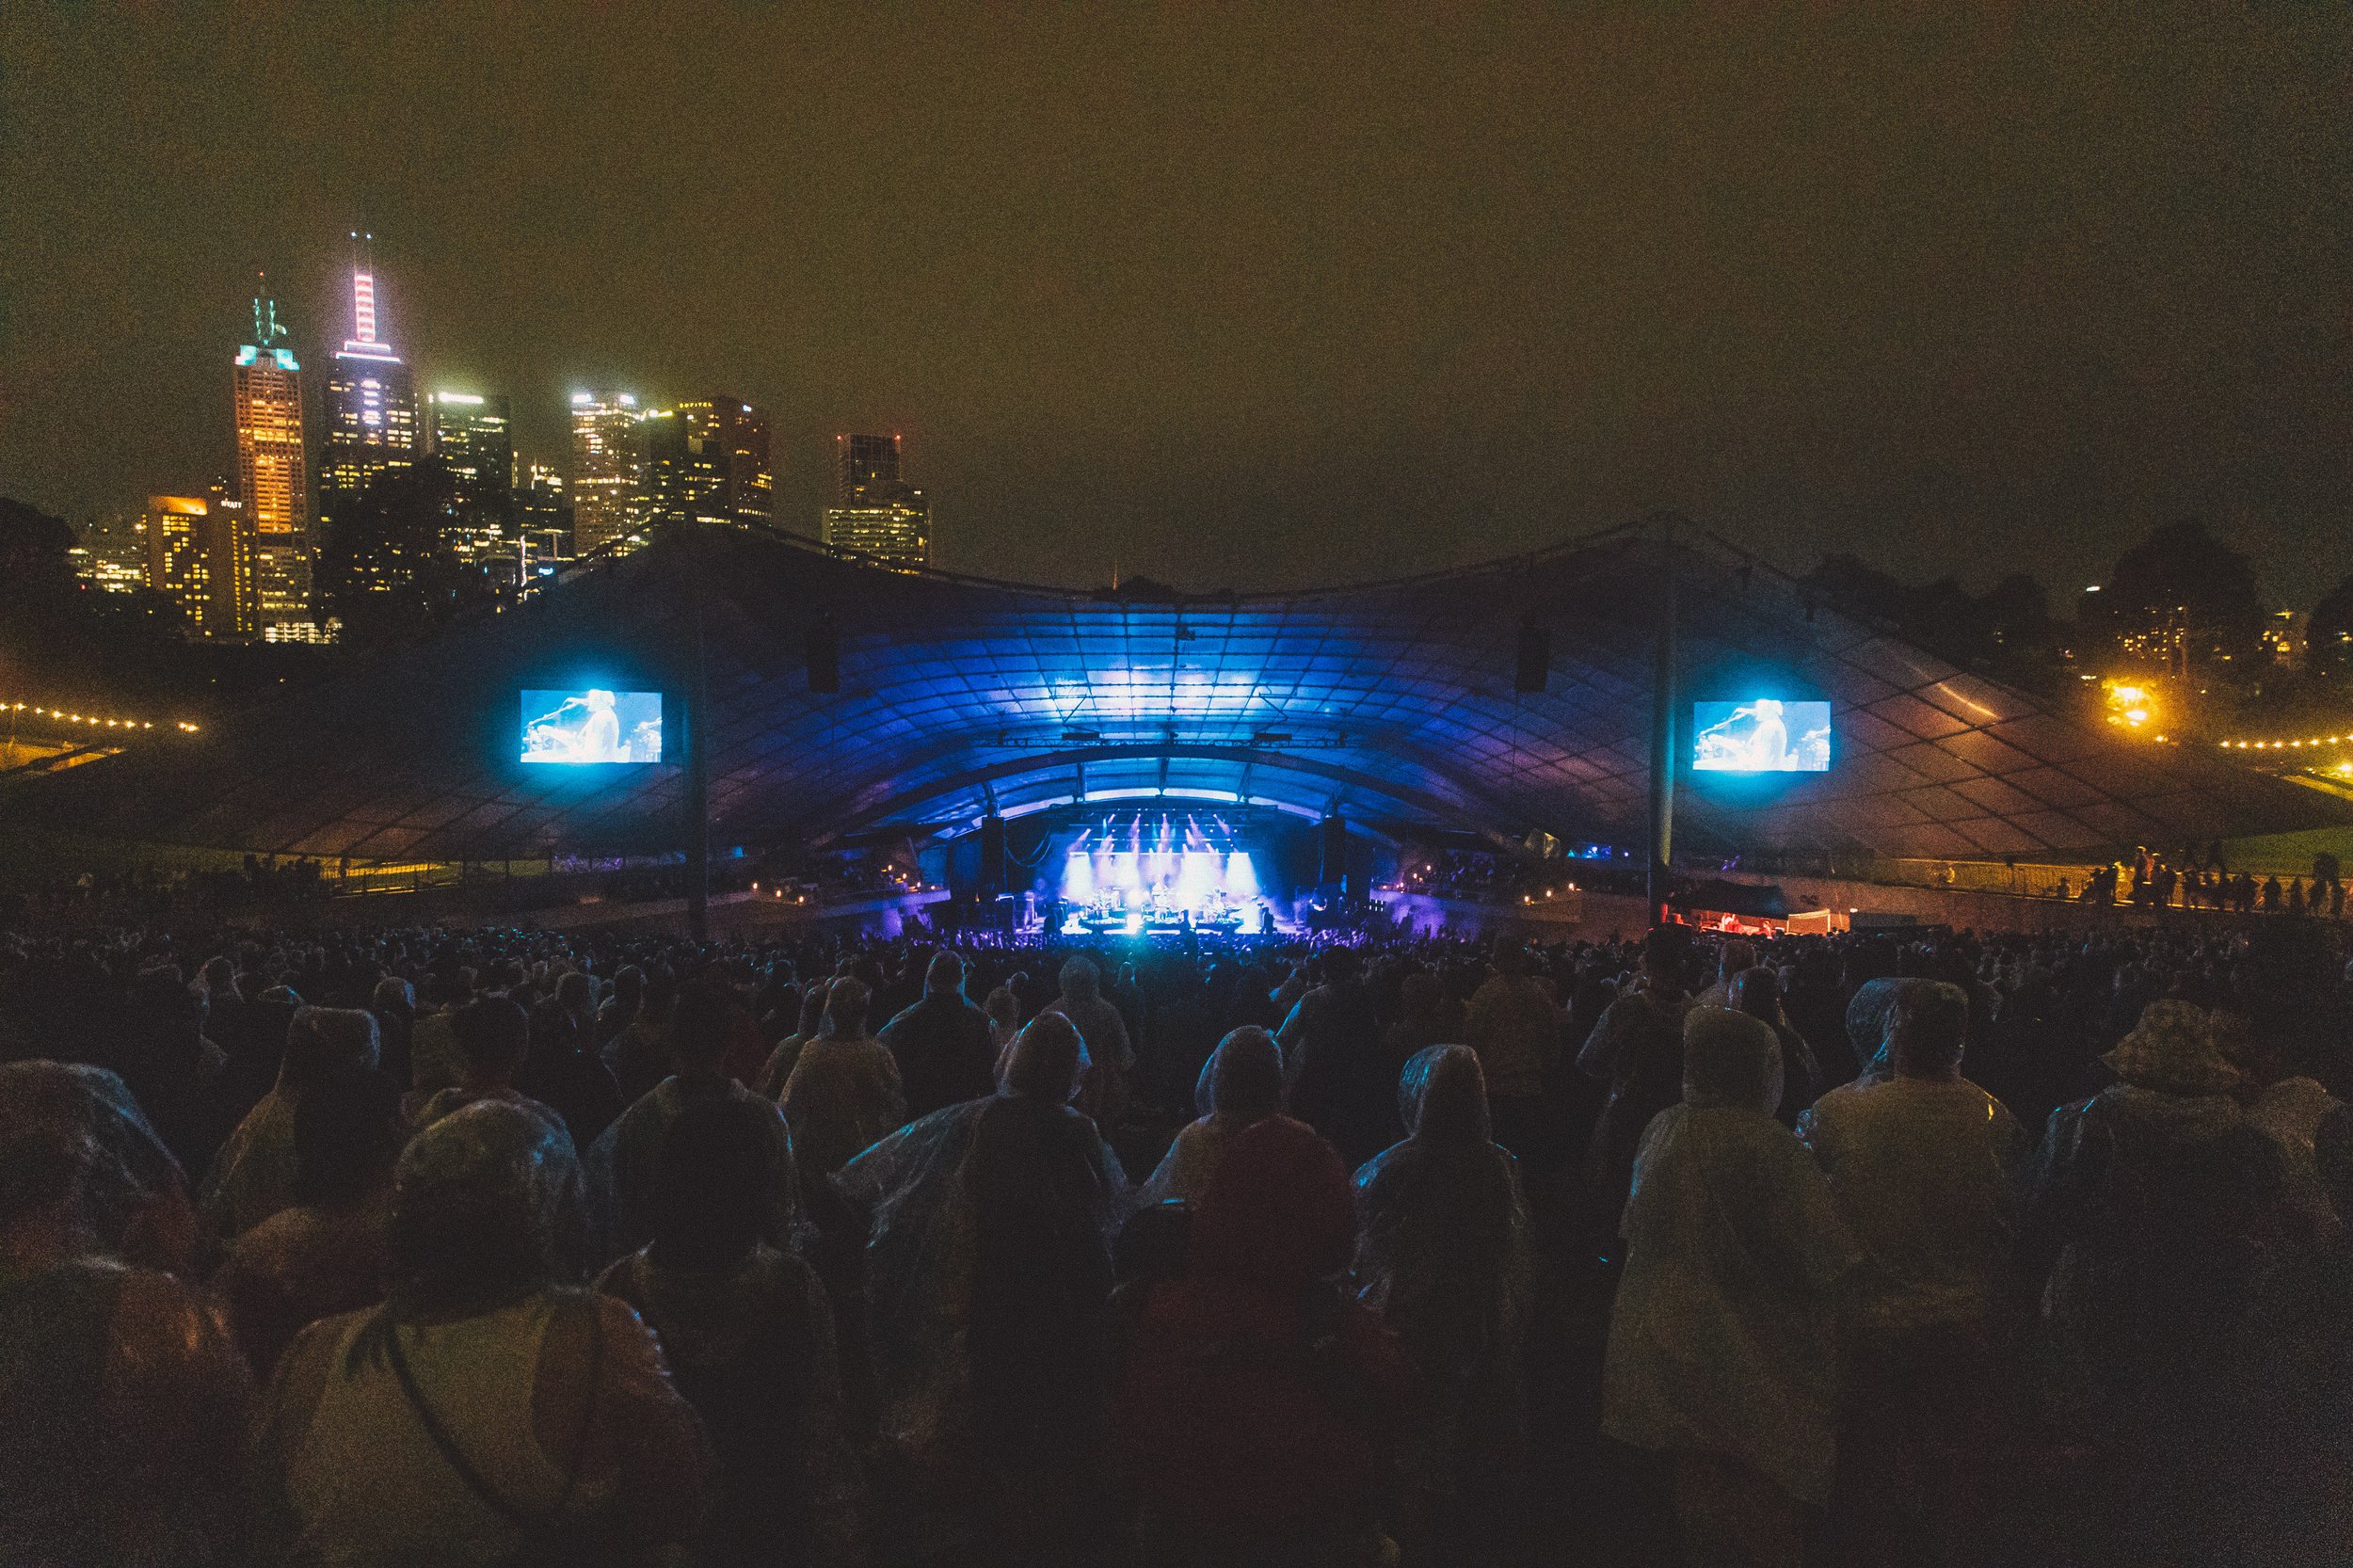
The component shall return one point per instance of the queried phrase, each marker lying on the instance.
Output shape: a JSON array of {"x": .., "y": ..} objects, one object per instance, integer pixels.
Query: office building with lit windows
[
  {"x": 706, "y": 459},
  {"x": 372, "y": 427},
  {"x": 200, "y": 555},
  {"x": 544, "y": 515},
  {"x": 608, "y": 460},
  {"x": 875, "y": 512},
  {"x": 471, "y": 436},
  {"x": 273, "y": 470},
  {"x": 736, "y": 438},
  {"x": 110, "y": 554}
]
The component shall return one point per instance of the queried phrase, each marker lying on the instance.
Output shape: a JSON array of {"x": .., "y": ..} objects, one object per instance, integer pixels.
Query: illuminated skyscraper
[
  {"x": 371, "y": 420},
  {"x": 470, "y": 435},
  {"x": 200, "y": 552},
  {"x": 545, "y": 517},
  {"x": 608, "y": 457},
  {"x": 273, "y": 475},
  {"x": 706, "y": 459},
  {"x": 876, "y": 513},
  {"x": 735, "y": 437}
]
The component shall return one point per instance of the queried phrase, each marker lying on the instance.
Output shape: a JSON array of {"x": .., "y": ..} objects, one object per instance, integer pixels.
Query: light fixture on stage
[
  {"x": 1242, "y": 877},
  {"x": 1196, "y": 879}
]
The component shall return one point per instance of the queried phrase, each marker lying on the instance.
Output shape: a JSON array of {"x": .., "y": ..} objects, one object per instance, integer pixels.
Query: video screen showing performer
[
  {"x": 1762, "y": 735},
  {"x": 592, "y": 725}
]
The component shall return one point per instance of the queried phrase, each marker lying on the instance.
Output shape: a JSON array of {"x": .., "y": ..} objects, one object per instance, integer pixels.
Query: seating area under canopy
[{"x": 1388, "y": 703}]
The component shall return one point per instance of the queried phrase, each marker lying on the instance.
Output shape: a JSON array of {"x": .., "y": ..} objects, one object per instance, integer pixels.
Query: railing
[{"x": 2022, "y": 880}]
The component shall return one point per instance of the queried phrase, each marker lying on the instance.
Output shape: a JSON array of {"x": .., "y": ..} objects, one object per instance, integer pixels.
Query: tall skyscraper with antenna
[
  {"x": 273, "y": 475},
  {"x": 371, "y": 427}
]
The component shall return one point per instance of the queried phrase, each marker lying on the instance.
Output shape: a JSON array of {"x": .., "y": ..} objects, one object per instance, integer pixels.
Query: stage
[{"x": 1165, "y": 874}]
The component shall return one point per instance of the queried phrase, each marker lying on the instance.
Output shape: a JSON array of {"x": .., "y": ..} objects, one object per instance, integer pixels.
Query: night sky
[{"x": 1234, "y": 296}]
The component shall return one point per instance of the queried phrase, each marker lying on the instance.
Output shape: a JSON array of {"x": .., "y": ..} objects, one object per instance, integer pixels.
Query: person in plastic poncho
[
  {"x": 988, "y": 1272},
  {"x": 252, "y": 1176},
  {"x": 1241, "y": 1085},
  {"x": 1723, "y": 1345},
  {"x": 120, "y": 1396},
  {"x": 1443, "y": 1255}
]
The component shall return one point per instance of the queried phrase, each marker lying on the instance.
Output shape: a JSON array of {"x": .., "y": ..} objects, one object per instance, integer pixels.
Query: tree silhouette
[
  {"x": 2007, "y": 632},
  {"x": 2181, "y": 572},
  {"x": 2330, "y": 635}
]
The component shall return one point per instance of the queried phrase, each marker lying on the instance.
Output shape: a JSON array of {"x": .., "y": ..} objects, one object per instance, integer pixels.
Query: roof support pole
[
  {"x": 1662, "y": 749},
  {"x": 699, "y": 765}
]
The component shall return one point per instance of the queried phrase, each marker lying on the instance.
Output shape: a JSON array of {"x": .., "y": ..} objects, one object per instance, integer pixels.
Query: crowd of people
[
  {"x": 2197, "y": 879},
  {"x": 483, "y": 1246}
]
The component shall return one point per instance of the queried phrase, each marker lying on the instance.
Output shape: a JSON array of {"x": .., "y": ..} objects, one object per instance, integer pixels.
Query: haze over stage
[{"x": 1392, "y": 702}]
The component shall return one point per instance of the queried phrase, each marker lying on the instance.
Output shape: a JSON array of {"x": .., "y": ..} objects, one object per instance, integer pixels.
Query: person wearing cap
[
  {"x": 2157, "y": 1207},
  {"x": 1723, "y": 1345}
]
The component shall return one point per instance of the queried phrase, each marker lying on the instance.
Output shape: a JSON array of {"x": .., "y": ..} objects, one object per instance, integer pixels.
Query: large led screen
[
  {"x": 592, "y": 725},
  {"x": 1762, "y": 735}
]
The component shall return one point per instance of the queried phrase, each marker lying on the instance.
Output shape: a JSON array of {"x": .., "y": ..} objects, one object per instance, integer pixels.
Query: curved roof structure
[{"x": 1388, "y": 702}]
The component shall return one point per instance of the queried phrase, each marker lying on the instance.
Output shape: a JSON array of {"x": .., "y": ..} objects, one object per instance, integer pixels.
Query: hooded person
[
  {"x": 1722, "y": 1352},
  {"x": 325, "y": 1252},
  {"x": 1259, "y": 1396},
  {"x": 482, "y": 1414},
  {"x": 811, "y": 1017},
  {"x": 1109, "y": 1054},
  {"x": 492, "y": 1033},
  {"x": 253, "y": 1174},
  {"x": 1757, "y": 991},
  {"x": 1443, "y": 1255},
  {"x": 1870, "y": 1027},
  {"x": 941, "y": 1043},
  {"x": 749, "y": 1336},
  {"x": 988, "y": 1269},
  {"x": 1342, "y": 1082},
  {"x": 120, "y": 1393},
  {"x": 131, "y": 1190},
  {"x": 845, "y": 1093},
  {"x": 1241, "y": 1083}
]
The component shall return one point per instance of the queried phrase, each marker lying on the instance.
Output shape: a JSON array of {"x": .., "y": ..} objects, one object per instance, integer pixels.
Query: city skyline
[{"x": 1242, "y": 305}]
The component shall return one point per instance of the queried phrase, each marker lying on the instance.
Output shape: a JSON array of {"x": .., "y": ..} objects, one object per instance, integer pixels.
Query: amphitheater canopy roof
[{"x": 1388, "y": 703}]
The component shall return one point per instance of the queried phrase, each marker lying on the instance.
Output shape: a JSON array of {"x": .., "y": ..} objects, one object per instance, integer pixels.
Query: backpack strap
[{"x": 455, "y": 1457}]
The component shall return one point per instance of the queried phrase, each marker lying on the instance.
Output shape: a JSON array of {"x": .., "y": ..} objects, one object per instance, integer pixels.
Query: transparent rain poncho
[
  {"x": 921, "y": 1189},
  {"x": 1723, "y": 1338},
  {"x": 1443, "y": 1255},
  {"x": 1241, "y": 1083},
  {"x": 1870, "y": 1016},
  {"x": 132, "y": 1194}
]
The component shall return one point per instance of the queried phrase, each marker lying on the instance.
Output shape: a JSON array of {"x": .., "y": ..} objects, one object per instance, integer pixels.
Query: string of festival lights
[
  {"x": 65, "y": 716},
  {"x": 2287, "y": 745}
]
